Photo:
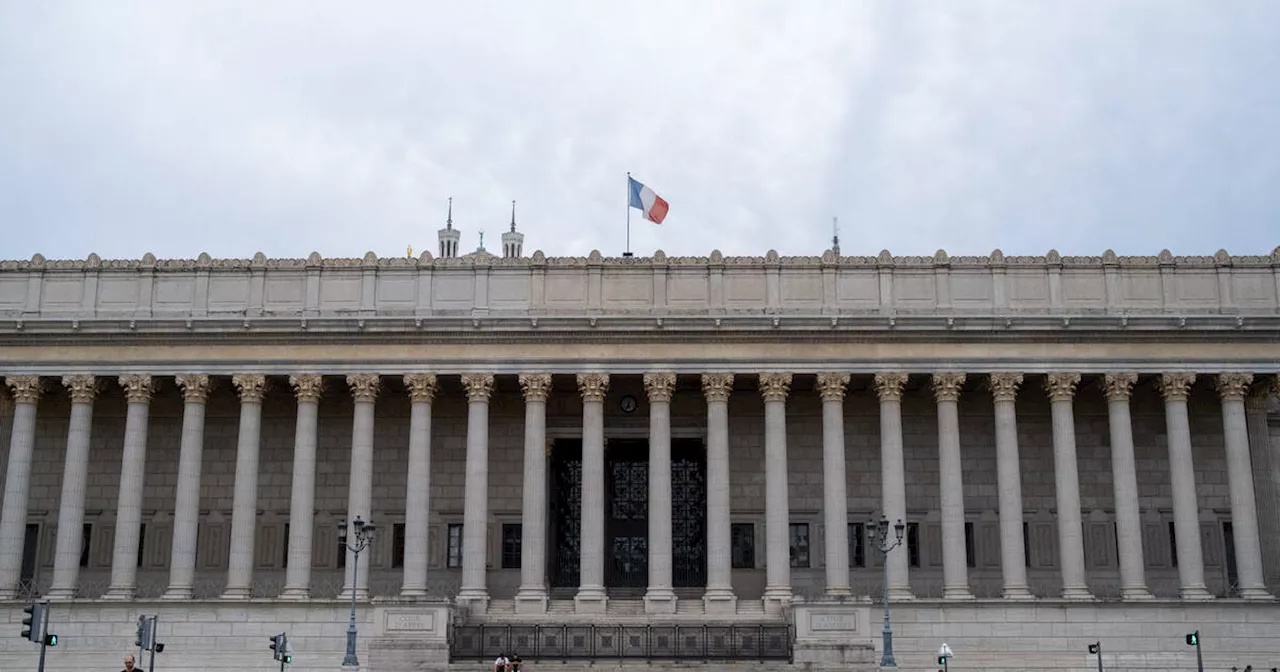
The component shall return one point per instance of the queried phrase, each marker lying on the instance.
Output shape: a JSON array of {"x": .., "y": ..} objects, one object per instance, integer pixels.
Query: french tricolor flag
[{"x": 654, "y": 208}]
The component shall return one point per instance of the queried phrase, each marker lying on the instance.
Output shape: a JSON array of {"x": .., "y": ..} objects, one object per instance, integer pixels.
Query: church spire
[
  {"x": 449, "y": 236},
  {"x": 512, "y": 241}
]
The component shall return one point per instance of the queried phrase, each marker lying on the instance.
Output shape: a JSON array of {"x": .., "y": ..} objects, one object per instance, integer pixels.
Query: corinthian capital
[
  {"x": 717, "y": 386},
  {"x": 593, "y": 386},
  {"x": 832, "y": 384},
  {"x": 1176, "y": 386},
  {"x": 138, "y": 387},
  {"x": 1004, "y": 386},
  {"x": 947, "y": 385},
  {"x": 364, "y": 386},
  {"x": 421, "y": 386},
  {"x": 1061, "y": 386},
  {"x": 83, "y": 389},
  {"x": 26, "y": 389},
  {"x": 775, "y": 386},
  {"x": 536, "y": 386},
  {"x": 659, "y": 385},
  {"x": 1119, "y": 386},
  {"x": 479, "y": 386},
  {"x": 1261, "y": 391},
  {"x": 251, "y": 386},
  {"x": 195, "y": 386},
  {"x": 1233, "y": 385},
  {"x": 307, "y": 386},
  {"x": 889, "y": 385}
]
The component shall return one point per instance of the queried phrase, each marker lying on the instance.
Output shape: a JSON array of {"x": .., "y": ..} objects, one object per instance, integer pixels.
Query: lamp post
[
  {"x": 363, "y": 535},
  {"x": 878, "y": 535}
]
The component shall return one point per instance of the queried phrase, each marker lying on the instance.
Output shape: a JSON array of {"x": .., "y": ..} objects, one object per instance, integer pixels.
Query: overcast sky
[{"x": 287, "y": 127}]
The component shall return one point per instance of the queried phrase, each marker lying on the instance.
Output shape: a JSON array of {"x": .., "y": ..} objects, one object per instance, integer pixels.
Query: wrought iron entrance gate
[
  {"x": 627, "y": 511},
  {"x": 604, "y": 642}
]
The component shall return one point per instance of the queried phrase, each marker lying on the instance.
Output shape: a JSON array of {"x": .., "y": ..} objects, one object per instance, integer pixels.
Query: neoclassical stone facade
[{"x": 654, "y": 439}]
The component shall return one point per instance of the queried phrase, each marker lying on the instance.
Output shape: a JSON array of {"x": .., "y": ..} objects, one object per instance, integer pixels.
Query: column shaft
[
  {"x": 532, "y": 595},
  {"x": 835, "y": 502},
  {"x": 1124, "y": 475},
  {"x": 1061, "y": 388},
  {"x": 297, "y": 584},
  {"x": 591, "y": 594},
  {"x": 186, "y": 512},
  {"x": 364, "y": 392},
  {"x": 1244, "y": 513},
  {"x": 475, "y": 514},
  {"x": 889, "y": 387},
  {"x": 774, "y": 387},
  {"x": 244, "y": 498},
  {"x": 124, "y": 558},
  {"x": 417, "y": 500},
  {"x": 955, "y": 567},
  {"x": 17, "y": 483},
  {"x": 719, "y": 597},
  {"x": 660, "y": 597},
  {"x": 75, "y": 480},
  {"x": 1004, "y": 387},
  {"x": 1186, "y": 510}
]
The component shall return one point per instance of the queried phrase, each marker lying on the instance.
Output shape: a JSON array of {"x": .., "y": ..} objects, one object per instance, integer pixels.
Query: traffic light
[
  {"x": 1193, "y": 639},
  {"x": 33, "y": 624},
  {"x": 277, "y": 646},
  {"x": 50, "y": 640},
  {"x": 287, "y": 648},
  {"x": 942, "y": 660},
  {"x": 1093, "y": 648},
  {"x": 143, "y": 640}
]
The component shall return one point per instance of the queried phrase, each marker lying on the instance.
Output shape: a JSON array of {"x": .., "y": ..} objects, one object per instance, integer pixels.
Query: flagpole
[{"x": 628, "y": 252}]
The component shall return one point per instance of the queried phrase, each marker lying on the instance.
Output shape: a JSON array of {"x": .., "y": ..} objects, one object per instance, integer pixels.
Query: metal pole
[
  {"x": 628, "y": 253},
  {"x": 1199, "y": 659},
  {"x": 1099, "y": 656},
  {"x": 887, "y": 659},
  {"x": 154, "y": 633},
  {"x": 44, "y": 634},
  {"x": 350, "y": 659}
]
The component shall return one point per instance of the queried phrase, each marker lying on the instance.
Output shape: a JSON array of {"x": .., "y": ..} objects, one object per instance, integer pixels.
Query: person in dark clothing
[
  {"x": 128, "y": 663},
  {"x": 514, "y": 660}
]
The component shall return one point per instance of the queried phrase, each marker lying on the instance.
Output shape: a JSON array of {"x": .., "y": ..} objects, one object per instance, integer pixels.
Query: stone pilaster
[
  {"x": 889, "y": 386},
  {"x": 591, "y": 594},
  {"x": 719, "y": 597},
  {"x": 364, "y": 396},
  {"x": 1175, "y": 388},
  {"x": 1232, "y": 388},
  {"x": 774, "y": 388},
  {"x": 660, "y": 597},
  {"x": 75, "y": 478},
  {"x": 417, "y": 499},
  {"x": 17, "y": 485},
  {"x": 532, "y": 595},
  {"x": 1061, "y": 389},
  {"x": 475, "y": 515},
  {"x": 947, "y": 386},
  {"x": 307, "y": 388},
  {"x": 1118, "y": 388},
  {"x": 1004, "y": 392},
  {"x": 835, "y": 502},
  {"x": 186, "y": 511},
  {"x": 252, "y": 387},
  {"x": 124, "y": 558}
]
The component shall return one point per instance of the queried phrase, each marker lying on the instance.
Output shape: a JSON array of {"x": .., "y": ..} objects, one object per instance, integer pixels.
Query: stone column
[
  {"x": 591, "y": 594},
  {"x": 364, "y": 395},
  {"x": 75, "y": 479},
  {"x": 1175, "y": 388},
  {"x": 244, "y": 503},
  {"x": 1004, "y": 391},
  {"x": 297, "y": 582},
  {"x": 719, "y": 597},
  {"x": 660, "y": 598},
  {"x": 947, "y": 386},
  {"x": 1124, "y": 476},
  {"x": 1232, "y": 387},
  {"x": 531, "y": 598},
  {"x": 774, "y": 387},
  {"x": 1266, "y": 474},
  {"x": 124, "y": 558},
  {"x": 17, "y": 484},
  {"x": 417, "y": 498},
  {"x": 1061, "y": 388},
  {"x": 835, "y": 502},
  {"x": 889, "y": 387},
  {"x": 186, "y": 511},
  {"x": 475, "y": 514}
]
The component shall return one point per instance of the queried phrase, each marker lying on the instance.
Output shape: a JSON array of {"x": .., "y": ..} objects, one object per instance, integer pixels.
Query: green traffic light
[
  {"x": 51, "y": 640},
  {"x": 1193, "y": 639},
  {"x": 288, "y": 659}
]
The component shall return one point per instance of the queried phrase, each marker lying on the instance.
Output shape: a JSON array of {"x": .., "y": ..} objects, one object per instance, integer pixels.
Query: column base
[
  {"x": 719, "y": 601},
  {"x": 1136, "y": 593},
  {"x": 531, "y": 601},
  {"x": 900, "y": 594},
  {"x": 56, "y": 594},
  {"x": 176, "y": 594},
  {"x": 1017, "y": 593},
  {"x": 118, "y": 594},
  {"x": 1196, "y": 594},
  {"x": 295, "y": 594},
  {"x": 591, "y": 600},
  {"x": 413, "y": 593},
  {"x": 957, "y": 593},
  {"x": 362, "y": 595},
  {"x": 838, "y": 593},
  {"x": 474, "y": 600},
  {"x": 660, "y": 601},
  {"x": 237, "y": 593},
  {"x": 1256, "y": 595},
  {"x": 776, "y": 599},
  {"x": 1077, "y": 593}
]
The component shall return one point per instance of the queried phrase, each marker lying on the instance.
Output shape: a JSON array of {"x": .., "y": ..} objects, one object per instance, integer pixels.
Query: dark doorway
[
  {"x": 566, "y": 512},
  {"x": 30, "y": 552},
  {"x": 688, "y": 513},
  {"x": 626, "y": 514}
]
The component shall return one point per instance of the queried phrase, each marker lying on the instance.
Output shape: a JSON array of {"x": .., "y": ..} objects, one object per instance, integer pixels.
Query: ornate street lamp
[
  {"x": 363, "y": 536},
  {"x": 878, "y": 535}
]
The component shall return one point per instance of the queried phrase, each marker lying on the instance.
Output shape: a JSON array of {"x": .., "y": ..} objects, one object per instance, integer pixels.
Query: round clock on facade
[{"x": 628, "y": 404}]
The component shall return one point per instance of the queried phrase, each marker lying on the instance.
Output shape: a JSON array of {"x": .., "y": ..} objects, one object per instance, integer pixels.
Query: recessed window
[
  {"x": 284, "y": 561},
  {"x": 397, "y": 545},
  {"x": 86, "y": 536},
  {"x": 857, "y": 545},
  {"x": 511, "y": 540},
  {"x": 1026, "y": 544},
  {"x": 913, "y": 544},
  {"x": 970, "y": 551},
  {"x": 142, "y": 542},
  {"x": 454, "y": 557},
  {"x": 1173, "y": 544},
  {"x": 742, "y": 540},
  {"x": 799, "y": 534}
]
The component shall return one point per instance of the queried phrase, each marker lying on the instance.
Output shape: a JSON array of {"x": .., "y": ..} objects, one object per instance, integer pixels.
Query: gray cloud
[{"x": 291, "y": 127}]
